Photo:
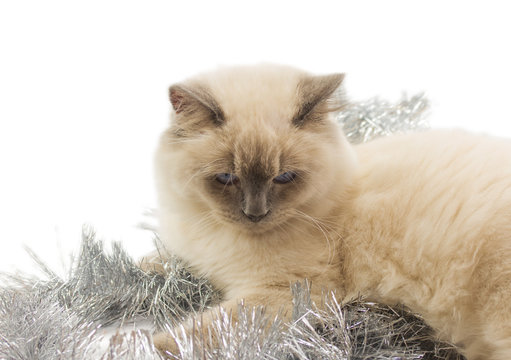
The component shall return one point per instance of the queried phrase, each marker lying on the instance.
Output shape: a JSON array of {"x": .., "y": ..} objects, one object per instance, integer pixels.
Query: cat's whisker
[
  {"x": 284, "y": 231},
  {"x": 330, "y": 229},
  {"x": 202, "y": 220},
  {"x": 205, "y": 222},
  {"x": 199, "y": 170},
  {"x": 182, "y": 141},
  {"x": 321, "y": 227},
  {"x": 322, "y": 222},
  {"x": 310, "y": 183}
]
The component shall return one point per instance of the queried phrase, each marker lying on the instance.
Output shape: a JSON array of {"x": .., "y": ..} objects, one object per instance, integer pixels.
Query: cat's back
[
  {"x": 438, "y": 164},
  {"x": 428, "y": 201},
  {"x": 430, "y": 227},
  {"x": 442, "y": 181}
]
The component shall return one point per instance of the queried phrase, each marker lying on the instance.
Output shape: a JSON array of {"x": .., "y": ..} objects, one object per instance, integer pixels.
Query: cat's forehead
[
  {"x": 263, "y": 152},
  {"x": 256, "y": 152},
  {"x": 265, "y": 93}
]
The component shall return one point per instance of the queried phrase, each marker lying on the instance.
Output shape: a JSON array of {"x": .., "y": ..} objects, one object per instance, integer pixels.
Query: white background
[{"x": 83, "y": 91}]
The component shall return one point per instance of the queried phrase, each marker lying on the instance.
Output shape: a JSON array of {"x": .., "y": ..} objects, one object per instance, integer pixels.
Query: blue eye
[
  {"x": 284, "y": 178},
  {"x": 226, "y": 179}
]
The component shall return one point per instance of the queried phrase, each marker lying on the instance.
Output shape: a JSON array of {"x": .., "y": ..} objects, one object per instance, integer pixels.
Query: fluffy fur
[{"x": 422, "y": 219}]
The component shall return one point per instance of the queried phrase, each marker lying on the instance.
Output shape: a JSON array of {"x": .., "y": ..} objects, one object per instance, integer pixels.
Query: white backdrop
[{"x": 83, "y": 90}]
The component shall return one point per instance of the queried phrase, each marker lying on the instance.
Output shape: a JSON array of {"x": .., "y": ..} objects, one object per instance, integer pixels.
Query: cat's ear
[
  {"x": 317, "y": 97},
  {"x": 194, "y": 105}
]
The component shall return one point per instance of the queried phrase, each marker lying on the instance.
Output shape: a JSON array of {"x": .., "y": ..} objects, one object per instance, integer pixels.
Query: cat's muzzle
[{"x": 256, "y": 217}]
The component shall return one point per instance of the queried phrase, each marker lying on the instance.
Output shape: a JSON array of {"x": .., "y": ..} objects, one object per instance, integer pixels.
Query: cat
[{"x": 258, "y": 188}]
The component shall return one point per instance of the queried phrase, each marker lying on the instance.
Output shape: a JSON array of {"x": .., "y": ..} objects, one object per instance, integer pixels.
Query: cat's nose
[
  {"x": 255, "y": 204},
  {"x": 256, "y": 218}
]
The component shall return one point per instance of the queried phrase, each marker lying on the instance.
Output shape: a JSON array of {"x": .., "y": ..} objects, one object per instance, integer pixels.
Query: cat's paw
[
  {"x": 166, "y": 344},
  {"x": 151, "y": 267},
  {"x": 153, "y": 263}
]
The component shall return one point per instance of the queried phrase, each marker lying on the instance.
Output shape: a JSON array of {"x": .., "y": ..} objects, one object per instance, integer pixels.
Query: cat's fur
[{"x": 422, "y": 219}]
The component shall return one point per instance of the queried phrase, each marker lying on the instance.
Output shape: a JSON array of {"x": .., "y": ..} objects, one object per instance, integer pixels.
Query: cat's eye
[
  {"x": 284, "y": 178},
  {"x": 226, "y": 178}
]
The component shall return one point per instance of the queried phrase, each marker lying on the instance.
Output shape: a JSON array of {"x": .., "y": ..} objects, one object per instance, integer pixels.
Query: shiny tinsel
[
  {"x": 356, "y": 330},
  {"x": 136, "y": 345},
  {"x": 366, "y": 120},
  {"x": 64, "y": 318},
  {"x": 60, "y": 318},
  {"x": 34, "y": 325}
]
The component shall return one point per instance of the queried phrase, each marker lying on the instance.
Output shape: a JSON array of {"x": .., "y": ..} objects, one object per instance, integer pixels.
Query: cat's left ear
[{"x": 317, "y": 97}]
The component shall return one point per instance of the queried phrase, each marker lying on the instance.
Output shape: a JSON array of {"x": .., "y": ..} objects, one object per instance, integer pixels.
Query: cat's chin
[{"x": 257, "y": 229}]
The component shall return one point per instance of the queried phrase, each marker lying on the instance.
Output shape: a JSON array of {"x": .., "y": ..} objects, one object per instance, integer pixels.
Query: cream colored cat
[{"x": 258, "y": 188}]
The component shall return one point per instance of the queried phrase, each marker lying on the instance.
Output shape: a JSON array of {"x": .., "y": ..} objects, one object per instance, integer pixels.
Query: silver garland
[
  {"x": 61, "y": 318},
  {"x": 366, "y": 120},
  {"x": 356, "y": 330},
  {"x": 34, "y": 325}
]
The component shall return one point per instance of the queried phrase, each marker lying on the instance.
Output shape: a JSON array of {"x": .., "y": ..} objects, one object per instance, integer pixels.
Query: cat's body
[
  {"x": 430, "y": 227},
  {"x": 422, "y": 219}
]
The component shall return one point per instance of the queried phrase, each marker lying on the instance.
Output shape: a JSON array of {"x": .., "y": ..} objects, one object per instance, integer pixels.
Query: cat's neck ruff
[{"x": 235, "y": 260}]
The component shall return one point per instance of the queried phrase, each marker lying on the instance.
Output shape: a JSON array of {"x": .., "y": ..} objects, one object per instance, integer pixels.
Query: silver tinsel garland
[
  {"x": 367, "y": 120},
  {"x": 57, "y": 318}
]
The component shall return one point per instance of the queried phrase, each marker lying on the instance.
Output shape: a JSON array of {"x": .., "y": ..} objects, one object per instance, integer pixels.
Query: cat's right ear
[{"x": 194, "y": 106}]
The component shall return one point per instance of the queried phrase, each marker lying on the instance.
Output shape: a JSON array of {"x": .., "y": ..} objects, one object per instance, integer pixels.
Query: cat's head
[{"x": 253, "y": 147}]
